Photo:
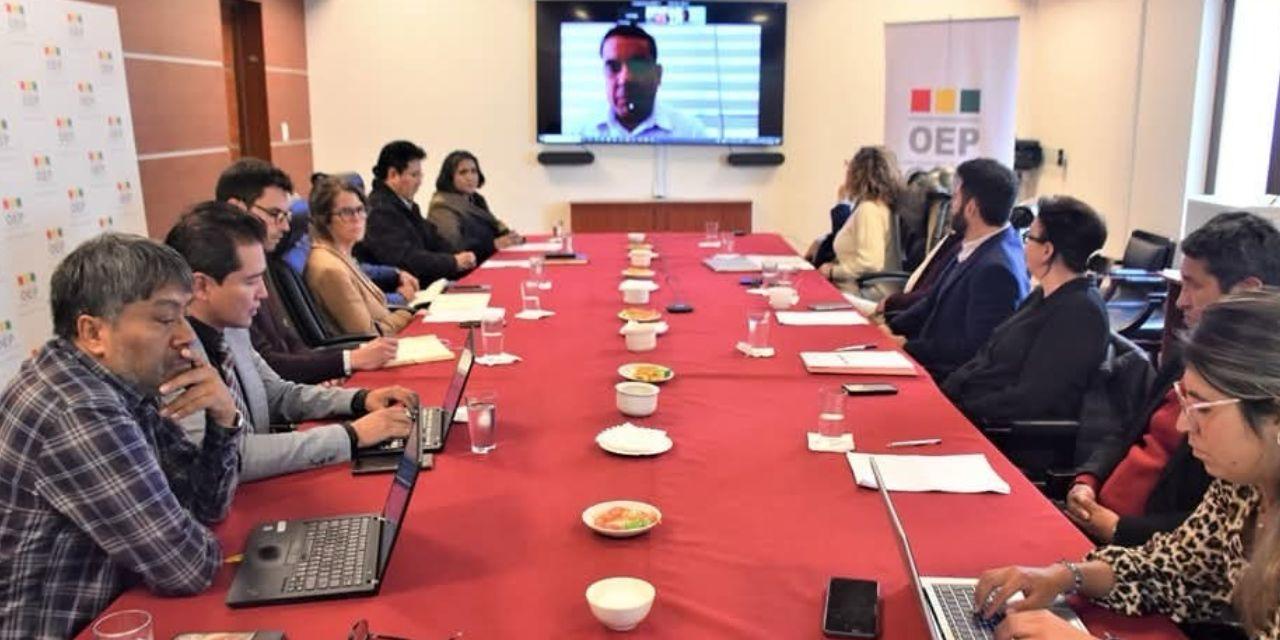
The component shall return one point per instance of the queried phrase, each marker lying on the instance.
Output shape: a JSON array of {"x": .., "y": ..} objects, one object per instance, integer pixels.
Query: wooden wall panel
[
  {"x": 176, "y": 106},
  {"x": 288, "y": 101},
  {"x": 295, "y": 160},
  {"x": 285, "y": 21},
  {"x": 171, "y": 185},
  {"x": 658, "y": 215},
  {"x": 183, "y": 28}
]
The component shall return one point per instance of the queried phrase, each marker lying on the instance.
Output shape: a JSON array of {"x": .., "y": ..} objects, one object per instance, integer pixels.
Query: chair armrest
[
  {"x": 1038, "y": 428},
  {"x": 886, "y": 276}
]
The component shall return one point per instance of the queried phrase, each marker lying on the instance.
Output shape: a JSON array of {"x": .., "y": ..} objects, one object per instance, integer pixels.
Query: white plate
[
  {"x": 628, "y": 371},
  {"x": 660, "y": 327},
  {"x": 660, "y": 449},
  {"x": 590, "y": 513}
]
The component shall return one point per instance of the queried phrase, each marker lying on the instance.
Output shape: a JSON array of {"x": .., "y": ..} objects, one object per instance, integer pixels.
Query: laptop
[
  {"x": 947, "y": 603},
  {"x": 433, "y": 422},
  {"x": 331, "y": 557}
]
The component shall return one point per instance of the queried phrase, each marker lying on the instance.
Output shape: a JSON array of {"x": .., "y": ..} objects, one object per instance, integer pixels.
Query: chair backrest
[
  {"x": 297, "y": 301},
  {"x": 1116, "y": 395},
  {"x": 922, "y": 213},
  {"x": 1148, "y": 251}
]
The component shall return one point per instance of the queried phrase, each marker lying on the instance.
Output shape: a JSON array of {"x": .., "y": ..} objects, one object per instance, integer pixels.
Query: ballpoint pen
[
  {"x": 856, "y": 347},
  {"x": 915, "y": 443}
]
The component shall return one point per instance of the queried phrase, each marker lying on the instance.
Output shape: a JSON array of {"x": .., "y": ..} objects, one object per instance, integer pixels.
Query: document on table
[
  {"x": 820, "y": 318},
  {"x": 427, "y": 295},
  {"x": 968, "y": 473},
  {"x": 731, "y": 264},
  {"x": 419, "y": 349},
  {"x": 795, "y": 262},
  {"x": 534, "y": 247},
  {"x": 460, "y": 301},
  {"x": 871, "y": 363},
  {"x": 493, "y": 263},
  {"x": 435, "y": 316}
]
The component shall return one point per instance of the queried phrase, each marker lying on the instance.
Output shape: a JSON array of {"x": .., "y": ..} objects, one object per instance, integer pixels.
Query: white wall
[{"x": 450, "y": 74}]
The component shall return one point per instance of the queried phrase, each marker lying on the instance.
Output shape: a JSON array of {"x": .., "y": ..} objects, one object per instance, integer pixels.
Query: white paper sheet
[
  {"x": 795, "y": 262},
  {"x": 493, "y": 263},
  {"x": 968, "y": 473},
  {"x": 456, "y": 315},
  {"x": 534, "y": 247},
  {"x": 820, "y": 318},
  {"x": 859, "y": 361},
  {"x": 418, "y": 349},
  {"x": 460, "y": 301}
]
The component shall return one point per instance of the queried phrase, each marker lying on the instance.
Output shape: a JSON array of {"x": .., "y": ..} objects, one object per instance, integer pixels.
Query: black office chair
[
  {"x": 1147, "y": 252},
  {"x": 920, "y": 221},
  {"x": 296, "y": 298}
]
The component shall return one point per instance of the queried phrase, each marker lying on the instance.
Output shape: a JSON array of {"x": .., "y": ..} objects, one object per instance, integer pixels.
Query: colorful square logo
[{"x": 946, "y": 100}]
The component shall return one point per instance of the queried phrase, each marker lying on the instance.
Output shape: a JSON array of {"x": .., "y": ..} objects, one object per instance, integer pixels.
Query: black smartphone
[
  {"x": 750, "y": 281},
  {"x": 830, "y": 306},
  {"x": 874, "y": 389},
  {"x": 853, "y": 609}
]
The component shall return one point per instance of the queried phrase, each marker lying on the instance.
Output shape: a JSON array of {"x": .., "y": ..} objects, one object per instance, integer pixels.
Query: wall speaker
[
  {"x": 566, "y": 157},
  {"x": 756, "y": 159}
]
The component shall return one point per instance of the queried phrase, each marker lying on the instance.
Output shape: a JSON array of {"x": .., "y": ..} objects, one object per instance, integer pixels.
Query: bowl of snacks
[
  {"x": 646, "y": 372},
  {"x": 621, "y": 518}
]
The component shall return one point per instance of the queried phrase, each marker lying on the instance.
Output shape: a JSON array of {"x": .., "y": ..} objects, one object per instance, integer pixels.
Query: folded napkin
[
  {"x": 534, "y": 314},
  {"x": 758, "y": 291},
  {"x": 709, "y": 244},
  {"x": 545, "y": 285},
  {"x": 498, "y": 359},
  {"x": 755, "y": 352},
  {"x": 834, "y": 444}
]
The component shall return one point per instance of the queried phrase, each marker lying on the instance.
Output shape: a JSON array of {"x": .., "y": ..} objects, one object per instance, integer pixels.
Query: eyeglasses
[
  {"x": 277, "y": 215},
  {"x": 1192, "y": 409},
  {"x": 351, "y": 212},
  {"x": 1036, "y": 239},
  {"x": 360, "y": 631}
]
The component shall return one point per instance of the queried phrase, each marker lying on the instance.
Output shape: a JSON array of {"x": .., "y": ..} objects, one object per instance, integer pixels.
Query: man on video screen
[{"x": 632, "y": 76}]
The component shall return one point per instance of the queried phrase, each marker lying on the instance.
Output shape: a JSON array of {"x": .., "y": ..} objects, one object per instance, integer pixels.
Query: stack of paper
[
  {"x": 460, "y": 301},
  {"x": 872, "y": 363},
  {"x": 435, "y": 316},
  {"x": 731, "y": 264},
  {"x": 969, "y": 473},
  {"x": 793, "y": 261},
  {"x": 419, "y": 349},
  {"x": 820, "y": 318},
  {"x": 425, "y": 296},
  {"x": 494, "y": 263},
  {"x": 535, "y": 247}
]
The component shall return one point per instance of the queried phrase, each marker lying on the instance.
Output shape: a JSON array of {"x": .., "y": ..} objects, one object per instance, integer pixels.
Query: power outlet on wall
[{"x": 284, "y": 131}]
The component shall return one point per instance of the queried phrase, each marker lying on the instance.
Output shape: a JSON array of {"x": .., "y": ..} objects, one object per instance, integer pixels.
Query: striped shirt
[{"x": 98, "y": 492}]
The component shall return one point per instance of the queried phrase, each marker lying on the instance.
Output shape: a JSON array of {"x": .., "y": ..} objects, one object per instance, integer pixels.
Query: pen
[
  {"x": 856, "y": 347},
  {"x": 915, "y": 443}
]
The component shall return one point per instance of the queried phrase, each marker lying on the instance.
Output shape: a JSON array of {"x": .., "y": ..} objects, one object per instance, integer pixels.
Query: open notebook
[
  {"x": 419, "y": 349},
  {"x": 872, "y": 363}
]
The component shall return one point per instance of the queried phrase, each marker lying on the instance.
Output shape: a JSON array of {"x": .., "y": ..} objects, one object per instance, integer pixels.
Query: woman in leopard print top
[{"x": 1223, "y": 563}]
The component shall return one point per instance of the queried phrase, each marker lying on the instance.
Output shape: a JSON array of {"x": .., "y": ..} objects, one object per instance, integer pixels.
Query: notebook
[
  {"x": 872, "y": 363},
  {"x": 419, "y": 349}
]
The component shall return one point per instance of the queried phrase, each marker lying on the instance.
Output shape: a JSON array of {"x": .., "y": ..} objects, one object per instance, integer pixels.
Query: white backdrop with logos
[
  {"x": 950, "y": 90},
  {"x": 68, "y": 165}
]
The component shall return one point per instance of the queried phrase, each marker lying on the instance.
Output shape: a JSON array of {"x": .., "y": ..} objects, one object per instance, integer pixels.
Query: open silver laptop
[{"x": 947, "y": 603}]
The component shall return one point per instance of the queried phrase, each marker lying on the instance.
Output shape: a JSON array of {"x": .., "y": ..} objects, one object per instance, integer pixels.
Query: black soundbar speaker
[
  {"x": 566, "y": 157},
  {"x": 756, "y": 159}
]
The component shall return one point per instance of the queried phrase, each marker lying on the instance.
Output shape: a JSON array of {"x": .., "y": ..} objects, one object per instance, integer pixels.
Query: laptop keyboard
[
  {"x": 957, "y": 611},
  {"x": 332, "y": 555}
]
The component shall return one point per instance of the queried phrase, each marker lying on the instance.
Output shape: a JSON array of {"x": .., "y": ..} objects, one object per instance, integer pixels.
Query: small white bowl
[
  {"x": 637, "y": 399},
  {"x": 635, "y": 237},
  {"x": 594, "y": 511},
  {"x": 620, "y": 603},
  {"x": 641, "y": 260},
  {"x": 635, "y": 296}
]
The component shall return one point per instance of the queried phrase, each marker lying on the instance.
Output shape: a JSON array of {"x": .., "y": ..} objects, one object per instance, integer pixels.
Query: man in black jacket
[
  {"x": 1147, "y": 480},
  {"x": 397, "y": 234}
]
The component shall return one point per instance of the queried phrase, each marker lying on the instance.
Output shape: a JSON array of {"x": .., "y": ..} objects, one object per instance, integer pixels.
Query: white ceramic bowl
[
  {"x": 641, "y": 260},
  {"x": 637, "y": 399},
  {"x": 642, "y": 341},
  {"x": 620, "y": 603},
  {"x": 635, "y": 296},
  {"x": 594, "y": 511},
  {"x": 635, "y": 237}
]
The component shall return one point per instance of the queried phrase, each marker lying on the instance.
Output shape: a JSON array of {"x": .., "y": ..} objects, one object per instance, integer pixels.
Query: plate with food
[
  {"x": 659, "y": 328},
  {"x": 629, "y": 439},
  {"x": 640, "y": 314},
  {"x": 638, "y": 272},
  {"x": 621, "y": 518},
  {"x": 646, "y": 372}
]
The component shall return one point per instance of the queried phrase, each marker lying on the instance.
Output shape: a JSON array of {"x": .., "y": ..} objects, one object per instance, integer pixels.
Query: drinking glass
[
  {"x": 831, "y": 410},
  {"x": 566, "y": 242},
  {"x": 491, "y": 334},
  {"x": 529, "y": 292},
  {"x": 758, "y": 329},
  {"x": 726, "y": 243},
  {"x": 133, "y": 624},
  {"x": 768, "y": 274},
  {"x": 786, "y": 276},
  {"x": 713, "y": 230},
  {"x": 482, "y": 420},
  {"x": 538, "y": 271}
]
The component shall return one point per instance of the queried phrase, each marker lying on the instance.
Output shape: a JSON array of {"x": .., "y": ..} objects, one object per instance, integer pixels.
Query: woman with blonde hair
[
  {"x": 1222, "y": 565},
  {"x": 346, "y": 296},
  {"x": 865, "y": 242}
]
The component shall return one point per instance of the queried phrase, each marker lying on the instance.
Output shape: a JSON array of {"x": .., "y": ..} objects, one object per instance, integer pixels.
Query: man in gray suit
[{"x": 225, "y": 250}]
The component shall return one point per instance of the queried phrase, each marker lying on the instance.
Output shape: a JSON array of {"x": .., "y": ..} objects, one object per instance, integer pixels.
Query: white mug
[
  {"x": 635, "y": 296},
  {"x": 641, "y": 259},
  {"x": 783, "y": 297}
]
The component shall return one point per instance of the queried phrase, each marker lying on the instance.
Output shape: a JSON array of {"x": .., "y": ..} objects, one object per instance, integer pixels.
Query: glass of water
[
  {"x": 786, "y": 276},
  {"x": 713, "y": 230},
  {"x": 726, "y": 243},
  {"x": 491, "y": 333},
  {"x": 768, "y": 274},
  {"x": 529, "y": 292},
  {"x": 133, "y": 624},
  {"x": 482, "y": 420},
  {"x": 831, "y": 410},
  {"x": 758, "y": 329},
  {"x": 566, "y": 242},
  {"x": 538, "y": 271}
]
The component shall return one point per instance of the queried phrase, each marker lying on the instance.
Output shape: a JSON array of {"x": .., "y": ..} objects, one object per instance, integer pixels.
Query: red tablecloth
[{"x": 754, "y": 523}]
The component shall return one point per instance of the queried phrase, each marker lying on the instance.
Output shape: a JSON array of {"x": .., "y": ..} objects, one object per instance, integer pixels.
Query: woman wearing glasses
[
  {"x": 1223, "y": 563},
  {"x": 345, "y": 295}
]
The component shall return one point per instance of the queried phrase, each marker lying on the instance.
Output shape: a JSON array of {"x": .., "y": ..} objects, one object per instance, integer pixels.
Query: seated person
[
  {"x": 923, "y": 278},
  {"x": 865, "y": 242},
  {"x": 1147, "y": 480},
  {"x": 1219, "y": 565},
  {"x": 1038, "y": 363},
  {"x": 98, "y": 487},
  {"x": 224, "y": 249},
  {"x": 461, "y": 214},
  {"x": 345, "y": 295},
  {"x": 262, "y": 191},
  {"x": 397, "y": 233},
  {"x": 822, "y": 251},
  {"x": 982, "y": 286}
]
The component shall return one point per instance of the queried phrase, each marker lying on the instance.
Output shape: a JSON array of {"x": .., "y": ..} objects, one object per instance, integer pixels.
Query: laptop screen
[
  {"x": 453, "y": 395},
  {"x": 398, "y": 497}
]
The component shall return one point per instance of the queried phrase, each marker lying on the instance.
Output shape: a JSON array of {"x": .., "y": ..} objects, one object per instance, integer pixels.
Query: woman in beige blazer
[
  {"x": 345, "y": 295},
  {"x": 865, "y": 243}
]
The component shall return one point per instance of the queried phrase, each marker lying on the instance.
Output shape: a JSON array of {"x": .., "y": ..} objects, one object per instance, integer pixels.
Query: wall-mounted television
[{"x": 660, "y": 72}]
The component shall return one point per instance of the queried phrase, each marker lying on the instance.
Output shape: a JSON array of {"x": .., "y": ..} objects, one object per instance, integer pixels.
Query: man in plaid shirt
[{"x": 98, "y": 487}]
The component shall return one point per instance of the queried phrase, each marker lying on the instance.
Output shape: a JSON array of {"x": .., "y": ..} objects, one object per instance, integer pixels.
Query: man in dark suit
[
  {"x": 982, "y": 285},
  {"x": 397, "y": 234},
  {"x": 1146, "y": 480}
]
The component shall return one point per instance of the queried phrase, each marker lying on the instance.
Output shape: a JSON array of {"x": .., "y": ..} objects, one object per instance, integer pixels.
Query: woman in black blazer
[{"x": 1038, "y": 363}]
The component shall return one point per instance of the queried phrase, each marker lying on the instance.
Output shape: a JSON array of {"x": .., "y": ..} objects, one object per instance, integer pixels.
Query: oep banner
[{"x": 949, "y": 91}]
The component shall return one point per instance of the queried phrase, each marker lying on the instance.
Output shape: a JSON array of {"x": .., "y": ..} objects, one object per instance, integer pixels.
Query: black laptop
[{"x": 333, "y": 557}]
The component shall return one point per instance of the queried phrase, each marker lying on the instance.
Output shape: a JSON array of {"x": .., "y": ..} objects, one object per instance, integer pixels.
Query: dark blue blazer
[{"x": 948, "y": 326}]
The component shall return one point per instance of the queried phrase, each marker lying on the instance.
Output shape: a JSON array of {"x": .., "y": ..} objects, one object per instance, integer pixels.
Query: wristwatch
[{"x": 237, "y": 422}]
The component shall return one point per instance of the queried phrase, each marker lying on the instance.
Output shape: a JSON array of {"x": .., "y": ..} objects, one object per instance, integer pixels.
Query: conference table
[{"x": 754, "y": 524}]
